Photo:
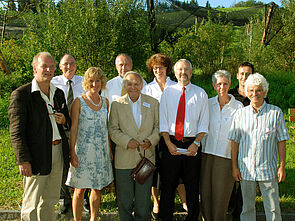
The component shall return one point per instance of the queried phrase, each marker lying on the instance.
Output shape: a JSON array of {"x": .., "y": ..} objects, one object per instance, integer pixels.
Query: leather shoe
[{"x": 155, "y": 216}]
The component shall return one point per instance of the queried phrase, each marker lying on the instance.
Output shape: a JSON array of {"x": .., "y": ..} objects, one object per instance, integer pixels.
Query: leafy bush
[
  {"x": 210, "y": 46},
  {"x": 4, "y": 103},
  {"x": 93, "y": 31}
]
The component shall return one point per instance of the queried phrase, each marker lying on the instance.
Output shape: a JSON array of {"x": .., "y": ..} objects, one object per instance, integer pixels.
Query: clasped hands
[{"x": 133, "y": 144}]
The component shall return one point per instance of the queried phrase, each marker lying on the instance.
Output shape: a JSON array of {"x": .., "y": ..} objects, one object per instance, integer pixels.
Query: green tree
[
  {"x": 11, "y": 5},
  {"x": 210, "y": 48},
  {"x": 23, "y": 4},
  {"x": 93, "y": 31}
]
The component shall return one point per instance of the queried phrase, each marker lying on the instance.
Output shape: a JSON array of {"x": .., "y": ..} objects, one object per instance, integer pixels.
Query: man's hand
[
  {"x": 60, "y": 118},
  {"x": 192, "y": 149},
  {"x": 236, "y": 174},
  {"x": 25, "y": 169},
  {"x": 172, "y": 148},
  {"x": 133, "y": 144},
  {"x": 145, "y": 144},
  {"x": 281, "y": 174}
]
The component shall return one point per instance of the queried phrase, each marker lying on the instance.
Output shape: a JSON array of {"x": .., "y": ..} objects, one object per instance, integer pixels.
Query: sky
[{"x": 229, "y": 3}]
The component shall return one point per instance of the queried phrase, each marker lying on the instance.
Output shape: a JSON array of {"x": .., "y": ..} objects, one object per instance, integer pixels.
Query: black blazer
[{"x": 31, "y": 130}]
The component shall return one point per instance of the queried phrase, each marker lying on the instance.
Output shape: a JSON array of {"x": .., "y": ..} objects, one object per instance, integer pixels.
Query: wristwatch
[{"x": 197, "y": 143}]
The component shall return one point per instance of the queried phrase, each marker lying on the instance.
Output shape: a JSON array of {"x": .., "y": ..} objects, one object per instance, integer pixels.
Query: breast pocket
[{"x": 268, "y": 133}]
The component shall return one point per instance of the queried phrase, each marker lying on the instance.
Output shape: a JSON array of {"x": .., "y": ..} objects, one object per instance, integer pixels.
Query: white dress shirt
[
  {"x": 114, "y": 88},
  {"x": 49, "y": 105},
  {"x": 61, "y": 82},
  {"x": 216, "y": 142},
  {"x": 196, "y": 110},
  {"x": 136, "y": 110},
  {"x": 153, "y": 89}
]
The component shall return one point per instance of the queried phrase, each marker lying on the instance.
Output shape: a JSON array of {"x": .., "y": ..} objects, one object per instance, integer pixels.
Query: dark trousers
[
  {"x": 175, "y": 167},
  {"x": 65, "y": 195}
]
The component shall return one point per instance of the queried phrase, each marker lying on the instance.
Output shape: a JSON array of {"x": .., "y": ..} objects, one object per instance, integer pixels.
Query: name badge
[{"x": 146, "y": 104}]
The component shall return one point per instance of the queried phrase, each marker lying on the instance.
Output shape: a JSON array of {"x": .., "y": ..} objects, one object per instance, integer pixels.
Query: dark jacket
[{"x": 31, "y": 130}]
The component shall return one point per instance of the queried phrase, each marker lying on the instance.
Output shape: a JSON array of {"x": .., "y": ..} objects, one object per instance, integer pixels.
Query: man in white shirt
[
  {"x": 184, "y": 119},
  {"x": 71, "y": 85},
  {"x": 114, "y": 88},
  {"x": 68, "y": 66}
]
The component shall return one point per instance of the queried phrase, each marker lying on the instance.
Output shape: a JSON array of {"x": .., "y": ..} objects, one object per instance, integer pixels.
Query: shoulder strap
[{"x": 140, "y": 153}]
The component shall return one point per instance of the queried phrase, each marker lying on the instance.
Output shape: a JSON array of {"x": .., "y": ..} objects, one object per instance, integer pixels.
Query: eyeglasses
[{"x": 158, "y": 67}]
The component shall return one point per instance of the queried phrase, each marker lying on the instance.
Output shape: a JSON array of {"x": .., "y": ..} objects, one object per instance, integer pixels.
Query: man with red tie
[{"x": 184, "y": 119}]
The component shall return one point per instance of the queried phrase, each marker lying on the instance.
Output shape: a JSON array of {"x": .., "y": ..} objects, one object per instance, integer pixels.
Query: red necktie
[{"x": 179, "y": 126}]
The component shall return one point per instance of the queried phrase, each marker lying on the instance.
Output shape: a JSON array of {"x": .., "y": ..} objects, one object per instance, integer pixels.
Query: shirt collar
[
  {"x": 35, "y": 87},
  {"x": 65, "y": 80},
  {"x": 138, "y": 100},
  {"x": 232, "y": 98},
  {"x": 187, "y": 87},
  {"x": 260, "y": 109}
]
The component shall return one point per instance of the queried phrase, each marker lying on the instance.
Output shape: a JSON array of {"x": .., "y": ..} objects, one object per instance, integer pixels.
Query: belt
[
  {"x": 56, "y": 142},
  {"x": 184, "y": 139}
]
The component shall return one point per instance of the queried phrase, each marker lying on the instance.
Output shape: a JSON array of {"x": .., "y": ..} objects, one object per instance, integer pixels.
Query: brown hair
[{"x": 159, "y": 59}]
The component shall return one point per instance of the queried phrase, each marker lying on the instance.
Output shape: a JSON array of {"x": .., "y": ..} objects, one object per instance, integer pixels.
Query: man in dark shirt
[{"x": 245, "y": 69}]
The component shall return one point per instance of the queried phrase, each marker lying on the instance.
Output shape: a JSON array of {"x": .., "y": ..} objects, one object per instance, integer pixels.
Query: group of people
[{"x": 200, "y": 146}]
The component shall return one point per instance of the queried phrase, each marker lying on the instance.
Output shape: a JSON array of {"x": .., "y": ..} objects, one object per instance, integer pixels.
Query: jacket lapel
[{"x": 143, "y": 112}]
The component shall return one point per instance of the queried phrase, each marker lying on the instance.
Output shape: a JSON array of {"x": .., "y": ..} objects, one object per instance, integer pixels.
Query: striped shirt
[{"x": 258, "y": 135}]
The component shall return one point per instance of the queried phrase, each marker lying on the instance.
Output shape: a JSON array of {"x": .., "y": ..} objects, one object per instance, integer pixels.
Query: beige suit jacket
[{"x": 122, "y": 129}]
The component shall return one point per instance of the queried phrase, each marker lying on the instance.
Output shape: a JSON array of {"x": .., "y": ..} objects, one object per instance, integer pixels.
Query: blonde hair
[{"x": 94, "y": 72}]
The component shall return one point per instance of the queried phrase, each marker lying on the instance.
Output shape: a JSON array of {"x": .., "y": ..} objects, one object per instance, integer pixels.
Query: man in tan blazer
[{"x": 134, "y": 122}]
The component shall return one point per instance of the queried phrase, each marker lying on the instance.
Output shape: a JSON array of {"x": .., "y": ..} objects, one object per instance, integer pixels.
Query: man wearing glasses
[{"x": 71, "y": 85}]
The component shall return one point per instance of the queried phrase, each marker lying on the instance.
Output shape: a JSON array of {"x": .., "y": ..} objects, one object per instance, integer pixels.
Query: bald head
[
  {"x": 68, "y": 66},
  {"x": 123, "y": 64}
]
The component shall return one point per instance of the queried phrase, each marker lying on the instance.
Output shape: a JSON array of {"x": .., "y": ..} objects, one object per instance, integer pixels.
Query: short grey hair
[
  {"x": 221, "y": 73},
  {"x": 256, "y": 79},
  {"x": 135, "y": 73},
  {"x": 185, "y": 61},
  {"x": 35, "y": 59}
]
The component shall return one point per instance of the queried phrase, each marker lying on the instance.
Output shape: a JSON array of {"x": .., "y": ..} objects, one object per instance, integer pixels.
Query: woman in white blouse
[
  {"x": 160, "y": 65},
  {"x": 216, "y": 182}
]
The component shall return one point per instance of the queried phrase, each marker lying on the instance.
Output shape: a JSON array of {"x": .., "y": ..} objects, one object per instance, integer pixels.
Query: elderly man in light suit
[{"x": 134, "y": 122}]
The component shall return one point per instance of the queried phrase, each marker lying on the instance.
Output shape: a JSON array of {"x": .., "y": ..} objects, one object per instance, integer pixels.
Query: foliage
[
  {"x": 93, "y": 31},
  {"x": 278, "y": 53},
  {"x": 4, "y": 103},
  {"x": 18, "y": 59},
  {"x": 11, "y": 5},
  {"x": 209, "y": 45},
  {"x": 248, "y": 3}
]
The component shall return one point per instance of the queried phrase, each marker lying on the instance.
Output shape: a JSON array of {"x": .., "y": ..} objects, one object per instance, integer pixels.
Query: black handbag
[{"x": 143, "y": 170}]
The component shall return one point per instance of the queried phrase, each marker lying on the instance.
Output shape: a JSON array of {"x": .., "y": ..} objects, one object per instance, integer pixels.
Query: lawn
[{"x": 11, "y": 181}]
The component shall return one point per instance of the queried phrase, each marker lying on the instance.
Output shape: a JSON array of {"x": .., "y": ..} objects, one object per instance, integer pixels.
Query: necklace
[{"x": 91, "y": 101}]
